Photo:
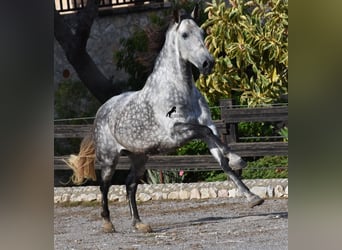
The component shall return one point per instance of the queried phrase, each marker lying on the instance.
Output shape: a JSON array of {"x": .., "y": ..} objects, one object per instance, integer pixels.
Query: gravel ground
[{"x": 202, "y": 224}]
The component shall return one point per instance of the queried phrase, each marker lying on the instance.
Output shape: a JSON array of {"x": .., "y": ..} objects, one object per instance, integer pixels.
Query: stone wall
[
  {"x": 103, "y": 42},
  {"x": 265, "y": 188}
]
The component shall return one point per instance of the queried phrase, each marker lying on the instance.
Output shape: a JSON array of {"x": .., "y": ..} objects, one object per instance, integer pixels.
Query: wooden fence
[
  {"x": 227, "y": 126},
  {"x": 64, "y": 6}
]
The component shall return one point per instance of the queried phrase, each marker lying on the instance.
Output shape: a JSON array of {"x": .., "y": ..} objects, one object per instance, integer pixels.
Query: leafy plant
[
  {"x": 127, "y": 59},
  {"x": 284, "y": 132},
  {"x": 167, "y": 176},
  {"x": 267, "y": 167},
  {"x": 249, "y": 40},
  {"x": 73, "y": 99}
]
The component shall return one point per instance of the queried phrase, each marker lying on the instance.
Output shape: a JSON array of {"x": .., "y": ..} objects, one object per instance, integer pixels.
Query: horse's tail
[{"x": 83, "y": 164}]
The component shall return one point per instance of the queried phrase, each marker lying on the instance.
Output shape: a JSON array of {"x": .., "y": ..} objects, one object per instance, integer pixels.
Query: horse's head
[{"x": 190, "y": 42}]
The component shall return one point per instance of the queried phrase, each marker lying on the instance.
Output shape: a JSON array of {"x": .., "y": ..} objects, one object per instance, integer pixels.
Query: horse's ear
[
  {"x": 195, "y": 12},
  {"x": 176, "y": 15}
]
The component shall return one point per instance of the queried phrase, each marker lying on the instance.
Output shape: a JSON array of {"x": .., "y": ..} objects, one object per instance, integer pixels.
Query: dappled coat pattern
[{"x": 140, "y": 123}]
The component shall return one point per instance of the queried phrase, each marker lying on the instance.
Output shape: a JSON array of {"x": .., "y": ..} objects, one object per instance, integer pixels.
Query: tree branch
[{"x": 74, "y": 46}]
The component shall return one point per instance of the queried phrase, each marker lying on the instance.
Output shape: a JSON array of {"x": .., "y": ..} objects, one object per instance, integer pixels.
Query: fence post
[{"x": 231, "y": 128}]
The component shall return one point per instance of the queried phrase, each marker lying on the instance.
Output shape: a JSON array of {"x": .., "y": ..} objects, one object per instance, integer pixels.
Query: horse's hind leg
[
  {"x": 107, "y": 171},
  {"x": 138, "y": 162}
]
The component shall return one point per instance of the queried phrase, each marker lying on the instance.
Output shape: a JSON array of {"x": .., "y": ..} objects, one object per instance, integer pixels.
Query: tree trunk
[{"x": 74, "y": 46}]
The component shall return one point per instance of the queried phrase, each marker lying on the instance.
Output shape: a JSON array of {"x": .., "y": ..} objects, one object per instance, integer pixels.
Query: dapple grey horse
[{"x": 166, "y": 113}]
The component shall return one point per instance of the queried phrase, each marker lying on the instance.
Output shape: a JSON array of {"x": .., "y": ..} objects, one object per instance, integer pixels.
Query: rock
[
  {"x": 90, "y": 197},
  {"x": 113, "y": 197},
  {"x": 165, "y": 196},
  {"x": 270, "y": 191},
  {"x": 184, "y": 195},
  {"x": 173, "y": 195},
  {"x": 260, "y": 191},
  {"x": 213, "y": 192},
  {"x": 144, "y": 197},
  {"x": 234, "y": 193},
  {"x": 57, "y": 198},
  {"x": 279, "y": 191},
  {"x": 286, "y": 192},
  {"x": 222, "y": 193},
  {"x": 157, "y": 196},
  {"x": 204, "y": 193},
  {"x": 195, "y": 194}
]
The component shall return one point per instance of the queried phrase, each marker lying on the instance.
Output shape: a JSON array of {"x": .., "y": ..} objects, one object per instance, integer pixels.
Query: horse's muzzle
[{"x": 207, "y": 66}]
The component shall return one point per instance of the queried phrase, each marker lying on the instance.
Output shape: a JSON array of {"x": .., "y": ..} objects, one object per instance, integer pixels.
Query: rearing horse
[{"x": 167, "y": 113}]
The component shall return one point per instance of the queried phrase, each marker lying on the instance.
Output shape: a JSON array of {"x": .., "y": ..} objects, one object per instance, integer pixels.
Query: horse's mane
[
  {"x": 156, "y": 35},
  {"x": 156, "y": 38}
]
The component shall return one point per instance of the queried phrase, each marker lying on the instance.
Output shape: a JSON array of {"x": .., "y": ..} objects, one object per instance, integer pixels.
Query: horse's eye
[{"x": 185, "y": 35}]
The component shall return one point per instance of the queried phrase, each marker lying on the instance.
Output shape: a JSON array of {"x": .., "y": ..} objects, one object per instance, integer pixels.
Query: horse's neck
[{"x": 170, "y": 71}]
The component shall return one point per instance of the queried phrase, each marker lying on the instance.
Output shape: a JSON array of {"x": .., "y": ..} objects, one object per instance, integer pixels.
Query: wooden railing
[
  {"x": 76, "y": 5},
  {"x": 227, "y": 128}
]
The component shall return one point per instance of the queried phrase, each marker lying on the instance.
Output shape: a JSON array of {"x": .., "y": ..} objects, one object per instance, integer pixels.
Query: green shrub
[
  {"x": 266, "y": 168},
  {"x": 73, "y": 100},
  {"x": 249, "y": 41}
]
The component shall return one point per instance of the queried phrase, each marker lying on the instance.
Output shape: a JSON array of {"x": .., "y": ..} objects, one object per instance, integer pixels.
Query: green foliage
[
  {"x": 266, "y": 168},
  {"x": 127, "y": 59},
  {"x": 73, "y": 99},
  {"x": 255, "y": 129},
  {"x": 249, "y": 41},
  {"x": 195, "y": 147},
  {"x": 284, "y": 132}
]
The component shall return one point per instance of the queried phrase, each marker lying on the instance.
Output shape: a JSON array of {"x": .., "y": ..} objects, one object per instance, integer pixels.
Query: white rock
[
  {"x": 195, "y": 194},
  {"x": 157, "y": 196},
  {"x": 260, "y": 191},
  {"x": 222, "y": 193},
  {"x": 90, "y": 197},
  {"x": 213, "y": 192},
  {"x": 165, "y": 196},
  {"x": 184, "y": 195},
  {"x": 113, "y": 197},
  {"x": 279, "y": 191},
  {"x": 234, "y": 193},
  {"x": 57, "y": 198},
  {"x": 270, "y": 191},
  {"x": 204, "y": 193},
  {"x": 144, "y": 197},
  {"x": 173, "y": 195}
]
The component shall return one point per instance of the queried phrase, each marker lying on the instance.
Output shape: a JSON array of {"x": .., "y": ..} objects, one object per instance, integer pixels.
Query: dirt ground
[{"x": 202, "y": 224}]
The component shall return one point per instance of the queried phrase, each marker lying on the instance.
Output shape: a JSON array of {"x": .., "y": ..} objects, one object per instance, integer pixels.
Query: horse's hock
[{"x": 265, "y": 188}]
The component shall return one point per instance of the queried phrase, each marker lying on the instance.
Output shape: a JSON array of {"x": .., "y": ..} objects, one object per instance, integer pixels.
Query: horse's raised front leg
[
  {"x": 138, "y": 162},
  {"x": 107, "y": 171},
  {"x": 220, "y": 152},
  {"x": 197, "y": 131},
  {"x": 253, "y": 199}
]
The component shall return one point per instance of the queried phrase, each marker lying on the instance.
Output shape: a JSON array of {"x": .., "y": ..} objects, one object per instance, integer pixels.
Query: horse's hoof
[
  {"x": 255, "y": 201},
  {"x": 108, "y": 227},
  {"x": 144, "y": 228},
  {"x": 236, "y": 162}
]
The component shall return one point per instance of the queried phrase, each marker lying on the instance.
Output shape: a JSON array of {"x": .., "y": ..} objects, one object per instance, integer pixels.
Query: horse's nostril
[{"x": 205, "y": 64}]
